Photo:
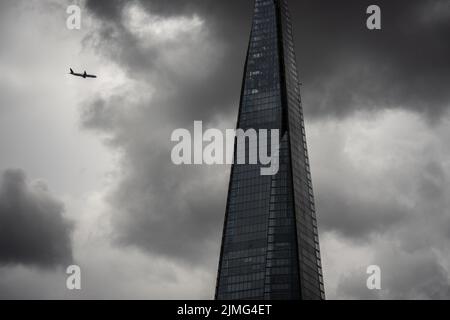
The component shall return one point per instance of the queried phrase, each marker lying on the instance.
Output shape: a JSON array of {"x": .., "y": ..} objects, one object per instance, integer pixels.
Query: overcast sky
[{"x": 85, "y": 170}]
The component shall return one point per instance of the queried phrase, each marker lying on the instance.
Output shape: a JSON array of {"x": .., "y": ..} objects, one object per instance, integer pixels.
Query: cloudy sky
[{"x": 85, "y": 170}]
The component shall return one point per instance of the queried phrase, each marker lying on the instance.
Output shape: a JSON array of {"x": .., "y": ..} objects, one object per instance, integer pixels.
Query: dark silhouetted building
[{"x": 270, "y": 244}]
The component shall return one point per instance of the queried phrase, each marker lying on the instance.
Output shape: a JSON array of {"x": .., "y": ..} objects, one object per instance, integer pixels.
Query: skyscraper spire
[{"x": 270, "y": 246}]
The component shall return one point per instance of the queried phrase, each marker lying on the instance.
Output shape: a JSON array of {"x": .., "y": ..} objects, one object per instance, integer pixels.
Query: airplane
[{"x": 83, "y": 75}]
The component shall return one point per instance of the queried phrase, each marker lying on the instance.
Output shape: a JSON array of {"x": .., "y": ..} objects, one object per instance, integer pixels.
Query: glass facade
[{"x": 270, "y": 246}]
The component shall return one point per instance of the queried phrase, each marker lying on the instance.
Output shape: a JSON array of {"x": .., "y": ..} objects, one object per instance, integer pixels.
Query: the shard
[{"x": 270, "y": 245}]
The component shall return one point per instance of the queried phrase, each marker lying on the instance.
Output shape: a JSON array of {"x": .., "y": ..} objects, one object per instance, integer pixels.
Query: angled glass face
[{"x": 269, "y": 248}]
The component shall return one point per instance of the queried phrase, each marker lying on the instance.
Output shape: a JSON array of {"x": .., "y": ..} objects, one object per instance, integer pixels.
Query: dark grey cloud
[
  {"x": 358, "y": 217},
  {"x": 391, "y": 204},
  {"x": 157, "y": 206},
  {"x": 178, "y": 215},
  {"x": 404, "y": 196},
  {"x": 221, "y": 72},
  {"x": 33, "y": 231},
  {"x": 344, "y": 67}
]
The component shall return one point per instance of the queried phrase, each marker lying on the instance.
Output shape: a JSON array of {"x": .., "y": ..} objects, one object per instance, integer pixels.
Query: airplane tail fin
[{"x": 71, "y": 71}]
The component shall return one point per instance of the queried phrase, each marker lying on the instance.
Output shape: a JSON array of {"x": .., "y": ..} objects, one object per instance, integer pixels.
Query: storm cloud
[
  {"x": 33, "y": 230},
  {"x": 344, "y": 67},
  {"x": 382, "y": 200},
  {"x": 377, "y": 121}
]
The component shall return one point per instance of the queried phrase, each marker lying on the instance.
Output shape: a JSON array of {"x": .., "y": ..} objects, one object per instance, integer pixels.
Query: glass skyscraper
[{"x": 270, "y": 244}]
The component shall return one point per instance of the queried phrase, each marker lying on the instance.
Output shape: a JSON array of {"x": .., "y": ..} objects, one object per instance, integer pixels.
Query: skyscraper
[{"x": 270, "y": 244}]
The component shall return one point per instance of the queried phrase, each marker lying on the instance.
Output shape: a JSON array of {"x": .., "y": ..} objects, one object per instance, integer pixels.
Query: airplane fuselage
[{"x": 82, "y": 75}]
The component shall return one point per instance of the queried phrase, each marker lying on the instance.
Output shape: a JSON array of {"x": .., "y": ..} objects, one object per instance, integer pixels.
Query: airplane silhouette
[{"x": 83, "y": 75}]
